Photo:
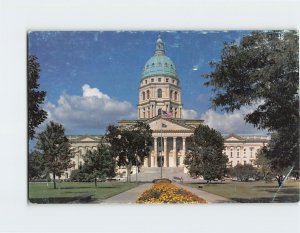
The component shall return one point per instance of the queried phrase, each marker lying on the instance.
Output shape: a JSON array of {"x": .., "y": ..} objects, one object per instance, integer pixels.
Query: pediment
[
  {"x": 233, "y": 138},
  {"x": 87, "y": 139},
  {"x": 167, "y": 125}
]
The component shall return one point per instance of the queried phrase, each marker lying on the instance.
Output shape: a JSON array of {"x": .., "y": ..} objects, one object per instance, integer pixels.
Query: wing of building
[{"x": 161, "y": 107}]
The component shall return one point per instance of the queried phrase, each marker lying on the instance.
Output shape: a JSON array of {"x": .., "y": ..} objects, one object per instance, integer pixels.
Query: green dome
[{"x": 159, "y": 64}]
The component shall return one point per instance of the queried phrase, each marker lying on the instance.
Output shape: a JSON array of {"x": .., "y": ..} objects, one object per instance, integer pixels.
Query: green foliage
[
  {"x": 36, "y": 166},
  {"x": 205, "y": 154},
  {"x": 264, "y": 165},
  {"x": 36, "y": 115},
  {"x": 283, "y": 149},
  {"x": 263, "y": 71},
  {"x": 55, "y": 148},
  {"x": 99, "y": 163},
  {"x": 130, "y": 145},
  {"x": 80, "y": 176},
  {"x": 243, "y": 172}
]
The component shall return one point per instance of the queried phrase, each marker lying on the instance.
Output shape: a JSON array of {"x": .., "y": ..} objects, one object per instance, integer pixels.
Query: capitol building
[{"x": 160, "y": 106}]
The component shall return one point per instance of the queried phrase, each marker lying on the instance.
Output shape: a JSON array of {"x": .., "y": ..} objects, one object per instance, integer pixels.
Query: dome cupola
[{"x": 159, "y": 64}]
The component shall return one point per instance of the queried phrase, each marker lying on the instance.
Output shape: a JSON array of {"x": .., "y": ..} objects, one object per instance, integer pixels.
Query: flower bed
[{"x": 168, "y": 193}]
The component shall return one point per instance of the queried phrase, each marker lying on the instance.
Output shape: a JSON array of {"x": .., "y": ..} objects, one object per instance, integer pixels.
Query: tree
[
  {"x": 99, "y": 163},
  {"x": 264, "y": 164},
  {"x": 36, "y": 165},
  {"x": 55, "y": 148},
  {"x": 36, "y": 115},
  {"x": 130, "y": 145},
  {"x": 243, "y": 172},
  {"x": 80, "y": 176},
  {"x": 262, "y": 71},
  {"x": 205, "y": 154}
]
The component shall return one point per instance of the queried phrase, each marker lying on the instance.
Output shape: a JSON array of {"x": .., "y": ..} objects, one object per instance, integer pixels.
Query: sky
[{"x": 92, "y": 77}]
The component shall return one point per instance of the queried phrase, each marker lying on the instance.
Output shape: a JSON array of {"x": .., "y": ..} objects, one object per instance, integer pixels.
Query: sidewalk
[
  {"x": 209, "y": 197},
  {"x": 128, "y": 197}
]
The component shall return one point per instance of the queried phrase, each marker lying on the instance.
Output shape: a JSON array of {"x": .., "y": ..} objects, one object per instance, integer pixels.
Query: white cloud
[
  {"x": 230, "y": 122},
  {"x": 94, "y": 110},
  {"x": 189, "y": 114}
]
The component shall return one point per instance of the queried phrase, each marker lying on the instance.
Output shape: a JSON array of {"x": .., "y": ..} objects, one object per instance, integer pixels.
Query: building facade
[{"x": 160, "y": 106}]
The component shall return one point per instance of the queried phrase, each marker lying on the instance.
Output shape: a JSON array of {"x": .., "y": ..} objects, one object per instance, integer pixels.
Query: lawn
[
  {"x": 70, "y": 191},
  {"x": 259, "y": 191}
]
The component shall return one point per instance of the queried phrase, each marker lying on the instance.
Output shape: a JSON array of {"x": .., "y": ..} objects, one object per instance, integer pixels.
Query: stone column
[
  {"x": 165, "y": 152},
  {"x": 154, "y": 164},
  {"x": 183, "y": 149},
  {"x": 174, "y": 152}
]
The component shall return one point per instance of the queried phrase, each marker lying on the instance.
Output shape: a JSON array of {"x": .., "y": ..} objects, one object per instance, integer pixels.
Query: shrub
[
  {"x": 164, "y": 180},
  {"x": 243, "y": 172}
]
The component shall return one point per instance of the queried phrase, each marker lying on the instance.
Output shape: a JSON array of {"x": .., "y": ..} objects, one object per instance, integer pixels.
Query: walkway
[
  {"x": 128, "y": 197},
  {"x": 209, "y": 197}
]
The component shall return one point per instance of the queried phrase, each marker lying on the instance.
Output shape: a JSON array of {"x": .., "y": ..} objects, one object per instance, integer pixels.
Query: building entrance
[{"x": 160, "y": 161}]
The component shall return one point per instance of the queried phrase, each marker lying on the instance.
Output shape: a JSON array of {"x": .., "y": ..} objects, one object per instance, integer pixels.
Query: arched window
[
  {"x": 231, "y": 152},
  {"x": 171, "y": 94},
  {"x": 159, "y": 93},
  {"x": 159, "y": 111},
  {"x": 143, "y": 95},
  {"x": 175, "y": 95},
  {"x": 148, "y": 94}
]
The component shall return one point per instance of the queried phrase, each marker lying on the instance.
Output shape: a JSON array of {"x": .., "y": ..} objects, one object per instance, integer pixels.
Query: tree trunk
[
  {"x": 95, "y": 182},
  {"x": 54, "y": 181},
  {"x": 128, "y": 172}
]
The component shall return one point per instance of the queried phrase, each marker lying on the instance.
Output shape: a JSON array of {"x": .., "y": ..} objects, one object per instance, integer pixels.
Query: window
[
  {"x": 67, "y": 175},
  {"x": 251, "y": 152},
  {"x": 231, "y": 152},
  {"x": 146, "y": 81},
  {"x": 166, "y": 64},
  {"x": 159, "y": 79},
  {"x": 159, "y": 93},
  {"x": 175, "y": 95},
  {"x": 152, "y": 65},
  {"x": 173, "y": 80},
  {"x": 152, "y": 80},
  {"x": 148, "y": 94},
  {"x": 238, "y": 152},
  {"x": 245, "y": 162},
  {"x": 171, "y": 94},
  {"x": 143, "y": 95},
  {"x": 167, "y": 80},
  {"x": 159, "y": 64},
  {"x": 238, "y": 162},
  {"x": 159, "y": 111},
  {"x": 245, "y": 151}
]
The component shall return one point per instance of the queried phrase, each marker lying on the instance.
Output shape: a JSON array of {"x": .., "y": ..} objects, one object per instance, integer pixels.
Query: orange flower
[{"x": 168, "y": 193}]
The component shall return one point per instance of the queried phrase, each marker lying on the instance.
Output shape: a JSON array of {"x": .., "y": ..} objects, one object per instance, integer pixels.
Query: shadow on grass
[
  {"x": 278, "y": 199},
  {"x": 92, "y": 187},
  {"x": 85, "y": 198}
]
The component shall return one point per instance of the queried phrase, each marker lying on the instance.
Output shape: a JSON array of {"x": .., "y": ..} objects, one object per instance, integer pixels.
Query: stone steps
[{"x": 148, "y": 174}]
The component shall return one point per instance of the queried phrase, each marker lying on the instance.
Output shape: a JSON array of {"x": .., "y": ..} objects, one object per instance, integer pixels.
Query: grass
[
  {"x": 71, "y": 191},
  {"x": 259, "y": 191}
]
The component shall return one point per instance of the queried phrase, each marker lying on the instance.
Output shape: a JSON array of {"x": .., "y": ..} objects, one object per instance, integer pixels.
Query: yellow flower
[{"x": 168, "y": 193}]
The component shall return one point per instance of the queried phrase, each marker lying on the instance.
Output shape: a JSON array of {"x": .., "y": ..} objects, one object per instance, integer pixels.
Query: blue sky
[{"x": 92, "y": 78}]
